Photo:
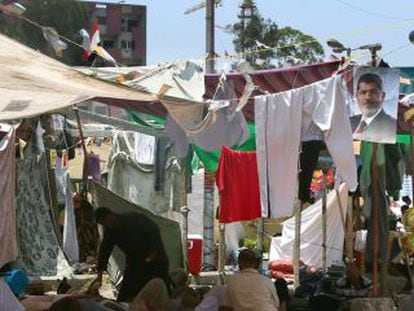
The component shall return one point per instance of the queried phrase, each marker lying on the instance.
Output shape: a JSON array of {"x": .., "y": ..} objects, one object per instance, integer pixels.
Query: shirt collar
[{"x": 370, "y": 119}]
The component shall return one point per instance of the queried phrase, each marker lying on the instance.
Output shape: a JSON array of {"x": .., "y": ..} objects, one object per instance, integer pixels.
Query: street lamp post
[{"x": 247, "y": 9}]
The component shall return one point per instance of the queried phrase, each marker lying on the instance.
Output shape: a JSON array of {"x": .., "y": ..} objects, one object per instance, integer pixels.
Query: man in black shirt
[{"x": 139, "y": 238}]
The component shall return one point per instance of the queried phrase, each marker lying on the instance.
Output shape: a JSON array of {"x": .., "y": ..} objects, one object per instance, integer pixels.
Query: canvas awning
[{"x": 32, "y": 83}]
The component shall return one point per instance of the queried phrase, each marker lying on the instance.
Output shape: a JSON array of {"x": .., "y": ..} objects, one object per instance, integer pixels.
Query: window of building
[
  {"x": 127, "y": 24},
  {"x": 132, "y": 23},
  {"x": 128, "y": 44}
]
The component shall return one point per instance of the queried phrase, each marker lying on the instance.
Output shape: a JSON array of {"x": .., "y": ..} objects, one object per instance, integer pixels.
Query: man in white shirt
[
  {"x": 373, "y": 124},
  {"x": 249, "y": 290}
]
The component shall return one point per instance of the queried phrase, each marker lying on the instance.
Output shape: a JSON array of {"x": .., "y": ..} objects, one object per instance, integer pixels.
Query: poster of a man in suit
[{"x": 376, "y": 103}]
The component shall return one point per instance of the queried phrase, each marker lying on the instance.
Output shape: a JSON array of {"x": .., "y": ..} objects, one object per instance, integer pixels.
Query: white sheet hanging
[
  {"x": 279, "y": 121},
  {"x": 70, "y": 238},
  {"x": 281, "y": 248}
]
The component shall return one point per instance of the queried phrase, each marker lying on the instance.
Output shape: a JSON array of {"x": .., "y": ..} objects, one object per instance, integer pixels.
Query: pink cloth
[{"x": 8, "y": 243}]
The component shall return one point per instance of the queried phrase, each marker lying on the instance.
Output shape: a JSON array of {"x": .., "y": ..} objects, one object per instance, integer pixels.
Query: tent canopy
[{"x": 32, "y": 83}]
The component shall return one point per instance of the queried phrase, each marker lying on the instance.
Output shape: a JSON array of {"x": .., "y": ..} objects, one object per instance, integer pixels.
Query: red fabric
[
  {"x": 282, "y": 268},
  {"x": 238, "y": 184}
]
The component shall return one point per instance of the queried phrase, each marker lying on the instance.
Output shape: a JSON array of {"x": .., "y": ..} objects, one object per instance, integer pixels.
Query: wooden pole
[
  {"x": 85, "y": 155},
  {"x": 374, "y": 218},
  {"x": 349, "y": 237},
  {"x": 260, "y": 235},
  {"x": 296, "y": 247},
  {"x": 324, "y": 223}
]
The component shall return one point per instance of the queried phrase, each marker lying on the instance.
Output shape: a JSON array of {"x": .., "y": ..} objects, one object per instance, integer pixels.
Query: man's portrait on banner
[{"x": 375, "y": 105}]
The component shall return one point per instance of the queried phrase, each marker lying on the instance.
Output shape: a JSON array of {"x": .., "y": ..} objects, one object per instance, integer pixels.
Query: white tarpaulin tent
[
  {"x": 311, "y": 232},
  {"x": 32, "y": 83}
]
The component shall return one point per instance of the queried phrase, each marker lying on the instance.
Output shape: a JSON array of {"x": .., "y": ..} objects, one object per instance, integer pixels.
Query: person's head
[
  {"x": 370, "y": 94},
  {"x": 247, "y": 259},
  {"x": 105, "y": 217}
]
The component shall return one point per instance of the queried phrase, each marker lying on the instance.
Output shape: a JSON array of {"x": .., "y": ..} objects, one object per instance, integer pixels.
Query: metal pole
[
  {"x": 209, "y": 248},
  {"x": 210, "y": 36},
  {"x": 208, "y": 211},
  {"x": 222, "y": 249}
]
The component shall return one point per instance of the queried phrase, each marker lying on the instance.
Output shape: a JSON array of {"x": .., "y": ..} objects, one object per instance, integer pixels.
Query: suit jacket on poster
[{"x": 382, "y": 129}]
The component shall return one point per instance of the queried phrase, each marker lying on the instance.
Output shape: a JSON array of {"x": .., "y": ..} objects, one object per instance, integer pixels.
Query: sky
[{"x": 171, "y": 35}]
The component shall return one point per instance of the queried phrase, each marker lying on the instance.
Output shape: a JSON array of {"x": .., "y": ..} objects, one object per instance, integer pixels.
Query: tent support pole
[
  {"x": 222, "y": 250},
  {"x": 324, "y": 223},
  {"x": 209, "y": 248},
  {"x": 260, "y": 235},
  {"x": 349, "y": 238},
  {"x": 296, "y": 247},
  {"x": 85, "y": 154},
  {"x": 374, "y": 219}
]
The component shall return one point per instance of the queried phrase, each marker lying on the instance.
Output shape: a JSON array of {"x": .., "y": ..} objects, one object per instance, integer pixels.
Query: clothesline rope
[
  {"x": 41, "y": 27},
  {"x": 281, "y": 47},
  {"x": 219, "y": 85},
  {"x": 258, "y": 51}
]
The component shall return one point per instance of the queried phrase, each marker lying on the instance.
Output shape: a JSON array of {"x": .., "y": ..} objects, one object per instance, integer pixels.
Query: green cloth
[
  {"x": 146, "y": 119},
  {"x": 210, "y": 159},
  {"x": 404, "y": 139},
  {"x": 365, "y": 184}
]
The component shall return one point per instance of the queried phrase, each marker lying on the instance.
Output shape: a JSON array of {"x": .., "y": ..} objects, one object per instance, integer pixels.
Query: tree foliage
[
  {"x": 66, "y": 16},
  {"x": 291, "y": 43}
]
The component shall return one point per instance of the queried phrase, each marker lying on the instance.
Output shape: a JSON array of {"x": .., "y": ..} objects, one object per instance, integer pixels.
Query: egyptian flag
[{"x": 92, "y": 46}]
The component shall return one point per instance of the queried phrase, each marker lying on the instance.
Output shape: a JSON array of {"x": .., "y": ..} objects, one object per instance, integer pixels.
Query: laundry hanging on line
[
  {"x": 238, "y": 184},
  {"x": 280, "y": 119}
]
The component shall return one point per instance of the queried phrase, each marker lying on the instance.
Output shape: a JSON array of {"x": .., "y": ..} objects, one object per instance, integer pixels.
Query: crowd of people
[{"x": 148, "y": 283}]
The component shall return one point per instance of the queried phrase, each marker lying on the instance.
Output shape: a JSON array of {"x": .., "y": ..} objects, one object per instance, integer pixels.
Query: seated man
[{"x": 249, "y": 290}]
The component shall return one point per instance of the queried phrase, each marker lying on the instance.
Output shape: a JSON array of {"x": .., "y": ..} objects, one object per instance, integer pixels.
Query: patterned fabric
[{"x": 37, "y": 242}]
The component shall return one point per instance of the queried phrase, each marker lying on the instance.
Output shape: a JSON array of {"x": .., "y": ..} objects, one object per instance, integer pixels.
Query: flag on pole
[{"x": 93, "y": 47}]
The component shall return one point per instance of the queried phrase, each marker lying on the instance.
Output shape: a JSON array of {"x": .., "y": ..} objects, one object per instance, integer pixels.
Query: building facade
[{"x": 123, "y": 28}]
